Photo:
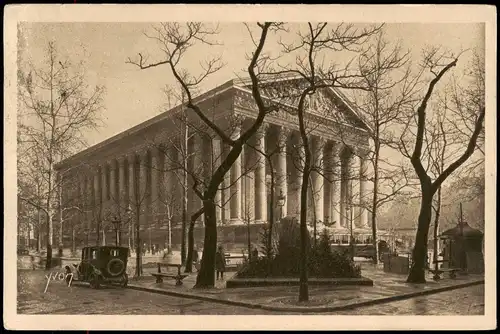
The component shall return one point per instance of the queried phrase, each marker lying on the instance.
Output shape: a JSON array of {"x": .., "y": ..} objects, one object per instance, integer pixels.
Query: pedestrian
[
  {"x": 220, "y": 262},
  {"x": 255, "y": 254},
  {"x": 196, "y": 257}
]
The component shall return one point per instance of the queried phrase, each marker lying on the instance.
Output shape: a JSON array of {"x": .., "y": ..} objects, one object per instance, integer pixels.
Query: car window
[
  {"x": 93, "y": 255},
  {"x": 115, "y": 252}
]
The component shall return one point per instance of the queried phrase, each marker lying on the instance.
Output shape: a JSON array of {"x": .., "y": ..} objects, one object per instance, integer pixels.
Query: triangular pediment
[{"x": 329, "y": 102}]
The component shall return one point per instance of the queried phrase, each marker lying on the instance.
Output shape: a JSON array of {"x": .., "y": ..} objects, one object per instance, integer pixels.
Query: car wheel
[
  {"x": 94, "y": 281},
  {"x": 116, "y": 267}
]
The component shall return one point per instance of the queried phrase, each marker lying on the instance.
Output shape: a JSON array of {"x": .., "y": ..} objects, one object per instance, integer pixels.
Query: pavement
[
  {"x": 387, "y": 287},
  {"x": 389, "y": 291},
  {"x": 80, "y": 299}
]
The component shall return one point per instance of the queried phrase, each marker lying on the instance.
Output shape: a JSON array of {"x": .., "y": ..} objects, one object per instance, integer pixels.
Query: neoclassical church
[{"x": 140, "y": 174}]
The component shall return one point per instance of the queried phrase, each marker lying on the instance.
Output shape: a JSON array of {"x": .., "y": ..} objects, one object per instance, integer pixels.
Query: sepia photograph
[{"x": 289, "y": 160}]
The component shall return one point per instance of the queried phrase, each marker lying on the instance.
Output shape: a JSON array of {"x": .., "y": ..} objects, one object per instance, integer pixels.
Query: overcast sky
[{"x": 134, "y": 96}]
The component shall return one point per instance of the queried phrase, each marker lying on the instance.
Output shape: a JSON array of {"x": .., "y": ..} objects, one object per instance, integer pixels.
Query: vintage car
[{"x": 102, "y": 265}]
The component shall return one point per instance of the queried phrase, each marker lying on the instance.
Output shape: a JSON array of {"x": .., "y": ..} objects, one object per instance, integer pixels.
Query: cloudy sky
[{"x": 134, "y": 96}]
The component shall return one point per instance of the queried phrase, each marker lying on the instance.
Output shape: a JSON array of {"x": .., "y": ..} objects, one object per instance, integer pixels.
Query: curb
[
  {"x": 319, "y": 309},
  {"x": 195, "y": 296}
]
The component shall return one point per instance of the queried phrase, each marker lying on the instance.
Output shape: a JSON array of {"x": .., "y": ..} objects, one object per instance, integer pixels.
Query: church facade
[{"x": 139, "y": 175}]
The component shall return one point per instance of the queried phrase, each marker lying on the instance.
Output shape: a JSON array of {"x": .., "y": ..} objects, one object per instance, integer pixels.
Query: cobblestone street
[{"x": 81, "y": 299}]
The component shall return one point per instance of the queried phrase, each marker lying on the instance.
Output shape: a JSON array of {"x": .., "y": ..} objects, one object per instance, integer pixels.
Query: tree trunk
[
  {"x": 417, "y": 271},
  {"x": 206, "y": 275},
  {"x": 61, "y": 222},
  {"x": 304, "y": 288},
  {"x": 437, "y": 213},
  {"x": 138, "y": 254},
  {"x": 185, "y": 190},
  {"x": 190, "y": 250},
  {"x": 374, "y": 208},
  {"x": 73, "y": 239},
  {"x": 269, "y": 246},
  {"x": 60, "y": 248},
  {"x": 48, "y": 263},
  {"x": 38, "y": 240},
  {"x": 169, "y": 237}
]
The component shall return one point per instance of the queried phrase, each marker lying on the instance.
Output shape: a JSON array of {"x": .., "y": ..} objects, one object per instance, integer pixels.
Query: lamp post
[
  {"x": 116, "y": 224},
  {"x": 281, "y": 203}
]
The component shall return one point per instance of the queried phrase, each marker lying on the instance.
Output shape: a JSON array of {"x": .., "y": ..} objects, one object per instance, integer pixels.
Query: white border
[{"x": 238, "y": 13}]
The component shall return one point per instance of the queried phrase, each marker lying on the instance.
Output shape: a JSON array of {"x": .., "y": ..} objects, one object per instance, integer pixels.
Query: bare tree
[
  {"x": 175, "y": 40},
  {"x": 318, "y": 38},
  {"x": 390, "y": 91},
  {"x": 58, "y": 107},
  {"x": 438, "y": 64}
]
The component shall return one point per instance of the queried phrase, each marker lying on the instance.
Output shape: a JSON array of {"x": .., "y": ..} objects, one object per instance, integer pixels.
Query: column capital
[
  {"x": 261, "y": 131},
  {"x": 362, "y": 153},
  {"x": 336, "y": 148},
  {"x": 235, "y": 132},
  {"x": 320, "y": 141},
  {"x": 284, "y": 132},
  {"x": 121, "y": 159}
]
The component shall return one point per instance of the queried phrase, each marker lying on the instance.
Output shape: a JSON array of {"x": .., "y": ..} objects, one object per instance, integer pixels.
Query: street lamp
[
  {"x": 281, "y": 202},
  {"x": 116, "y": 224}
]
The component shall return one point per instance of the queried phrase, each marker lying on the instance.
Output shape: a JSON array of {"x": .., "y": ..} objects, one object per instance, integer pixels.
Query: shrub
[{"x": 323, "y": 262}]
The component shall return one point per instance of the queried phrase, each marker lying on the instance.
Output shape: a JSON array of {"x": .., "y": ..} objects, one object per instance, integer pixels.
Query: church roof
[{"x": 286, "y": 90}]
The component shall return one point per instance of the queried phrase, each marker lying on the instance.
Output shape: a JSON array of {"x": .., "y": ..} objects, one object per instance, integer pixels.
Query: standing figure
[
  {"x": 220, "y": 262},
  {"x": 255, "y": 254},
  {"x": 196, "y": 257}
]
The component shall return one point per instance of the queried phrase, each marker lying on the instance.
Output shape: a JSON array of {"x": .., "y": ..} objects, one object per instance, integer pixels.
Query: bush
[{"x": 323, "y": 262}]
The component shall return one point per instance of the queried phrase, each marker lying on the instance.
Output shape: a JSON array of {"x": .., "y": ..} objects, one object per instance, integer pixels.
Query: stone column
[
  {"x": 336, "y": 177},
  {"x": 142, "y": 200},
  {"x": 351, "y": 198},
  {"x": 113, "y": 194},
  {"x": 281, "y": 170},
  {"x": 104, "y": 190},
  {"x": 318, "y": 179},
  {"x": 122, "y": 202},
  {"x": 235, "y": 202},
  {"x": 155, "y": 172},
  {"x": 98, "y": 209},
  {"x": 345, "y": 161},
  {"x": 82, "y": 199},
  {"x": 363, "y": 169},
  {"x": 226, "y": 190},
  {"x": 260, "y": 177},
  {"x": 132, "y": 197},
  {"x": 131, "y": 181},
  {"x": 216, "y": 160}
]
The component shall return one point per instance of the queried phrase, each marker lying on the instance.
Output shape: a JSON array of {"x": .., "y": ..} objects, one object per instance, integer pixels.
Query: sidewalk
[{"x": 387, "y": 287}]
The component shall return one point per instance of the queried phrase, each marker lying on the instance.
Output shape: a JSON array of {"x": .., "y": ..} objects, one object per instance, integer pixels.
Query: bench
[
  {"x": 229, "y": 257},
  {"x": 178, "y": 277},
  {"x": 437, "y": 273}
]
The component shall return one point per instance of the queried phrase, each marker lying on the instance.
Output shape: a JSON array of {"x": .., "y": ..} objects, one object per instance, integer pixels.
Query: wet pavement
[
  {"x": 465, "y": 301},
  {"x": 320, "y": 297},
  {"x": 81, "y": 299}
]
